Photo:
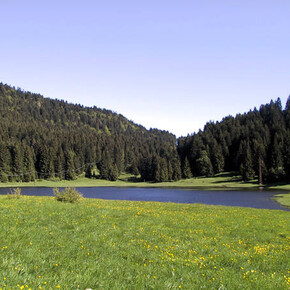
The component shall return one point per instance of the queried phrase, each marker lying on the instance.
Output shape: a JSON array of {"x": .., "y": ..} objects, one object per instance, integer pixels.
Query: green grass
[
  {"x": 283, "y": 199},
  {"x": 220, "y": 181},
  {"x": 99, "y": 244}
]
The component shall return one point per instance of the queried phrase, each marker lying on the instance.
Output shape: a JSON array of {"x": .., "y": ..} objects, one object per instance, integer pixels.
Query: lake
[{"x": 249, "y": 198}]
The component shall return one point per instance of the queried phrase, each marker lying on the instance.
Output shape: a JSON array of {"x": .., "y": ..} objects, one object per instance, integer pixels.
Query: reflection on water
[{"x": 255, "y": 199}]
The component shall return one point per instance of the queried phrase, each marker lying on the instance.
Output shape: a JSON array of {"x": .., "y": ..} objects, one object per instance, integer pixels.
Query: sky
[{"x": 171, "y": 65}]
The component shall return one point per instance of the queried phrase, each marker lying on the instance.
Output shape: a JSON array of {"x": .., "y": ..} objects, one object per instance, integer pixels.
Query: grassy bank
[
  {"x": 45, "y": 244},
  {"x": 283, "y": 199},
  {"x": 220, "y": 181}
]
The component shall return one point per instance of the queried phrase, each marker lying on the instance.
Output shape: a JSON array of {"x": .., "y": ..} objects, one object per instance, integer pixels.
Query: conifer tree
[
  {"x": 28, "y": 164},
  {"x": 4, "y": 162},
  {"x": 69, "y": 170},
  {"x": 287, "y": 155},
  {"x": 176, "y": 170},
  {"x": 163, "y": 167},
  {"x": 59, "y": 164},
  {"x": 204, "y": 164},
  {"x": 276, "y": 170},
  {"x": 88, "y": 171},
  {"x": 16, "y": 163},
  {"x": 170, "y": 171},
  {"x": 113, "y": 172},
  {"x": 186, "y": 169},
  {"x": 246, "y": 168}
]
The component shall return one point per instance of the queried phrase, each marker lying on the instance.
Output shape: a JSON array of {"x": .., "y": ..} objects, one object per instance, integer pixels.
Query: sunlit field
[{"x": 98, "y": 244}]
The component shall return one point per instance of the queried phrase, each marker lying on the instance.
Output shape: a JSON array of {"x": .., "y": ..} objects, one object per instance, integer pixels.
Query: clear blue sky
[{"x": 168, "y": 64}]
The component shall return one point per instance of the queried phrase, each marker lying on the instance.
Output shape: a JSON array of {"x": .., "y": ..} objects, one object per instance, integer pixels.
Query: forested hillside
[
  {"x": 45, "y": 138},
  {"x": 41, "y": 138},
  {"x": 236, "y": 144}
]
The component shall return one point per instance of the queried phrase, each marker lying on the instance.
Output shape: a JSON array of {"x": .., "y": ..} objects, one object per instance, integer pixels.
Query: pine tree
[
  {"x": 108, "y": 169},
  {"x": 69, "y": 170},
  {"x": 88, "y": 171},
  {"x": 146, "y": 169},
  {"x": 43, "y": 162},
  {"x": 170, "y": 171},
  {"x": 176, "y": 170},
  {"x": 59, "y": 164},
  {"x": 163, "y": 170},
  {"x": 276, "y": 170},
  {"x": 134, "y": 168},
  {"x": 113, "y": 172},
  {"x": 218, "y": 161},
  {"x": 287, "y": 155},
  {"x": 16, "y": 163},
  {"x": 246, "y": 168},
  {"x": 204, "y": 164},
  {"x": 28, "y": 164},
  {"x": 4, "y": 163},
  {"x": 186, "y": 169}
]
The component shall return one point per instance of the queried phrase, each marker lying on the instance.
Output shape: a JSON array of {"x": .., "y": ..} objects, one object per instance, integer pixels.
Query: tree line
[
  {"x": 237, "y": 143},
  {"x": 41, "y": 138}
]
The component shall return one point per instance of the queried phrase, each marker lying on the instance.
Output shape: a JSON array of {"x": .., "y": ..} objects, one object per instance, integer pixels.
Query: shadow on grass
[
  {"x": 233, "y": 177},
  {"x": 133, "y": 179},
  {"x": 227, "y": 174},
  {"x": 281, "y": 183}
]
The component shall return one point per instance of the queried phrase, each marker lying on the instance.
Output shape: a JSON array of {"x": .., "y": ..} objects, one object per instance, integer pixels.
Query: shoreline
[
  {"x": 200, "y": 183},
  {"x": 222, "y": 182}
]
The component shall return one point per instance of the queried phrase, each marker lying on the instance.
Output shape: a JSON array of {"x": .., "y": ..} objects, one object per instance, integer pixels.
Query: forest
[
  {"x": 237, "y": 143},
  {"x": 42, "y": 138}
]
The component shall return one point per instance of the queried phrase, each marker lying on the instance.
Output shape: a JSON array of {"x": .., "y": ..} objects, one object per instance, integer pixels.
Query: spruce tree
[
  {"x": 4, "y": 162},
  {"x": 69, "y": 170},
  {"x": 163, "y": 170},
  {"x": 186, "y": 171},
  {"x": 276, "y": 170},
  {"x": 28, "y": 164},
  {"x": 246, "y": 167},
  {"x": 88, "y": 171},
  {"x": 16, "y": 163},
  {"x": 204, "y": 164},
  {"x": 287, "y": 155}
]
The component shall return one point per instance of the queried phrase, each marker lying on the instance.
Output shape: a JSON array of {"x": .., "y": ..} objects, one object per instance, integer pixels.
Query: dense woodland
[
  {"x": 41, "y": 138},
  {"x": 237, "y": 144},
  {"x": 52, "y": 139}
]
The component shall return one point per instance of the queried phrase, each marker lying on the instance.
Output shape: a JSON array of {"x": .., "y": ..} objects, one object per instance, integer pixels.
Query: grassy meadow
[
  {"x": 46, "y": 244},
  {"x": 222, "y": 181}
]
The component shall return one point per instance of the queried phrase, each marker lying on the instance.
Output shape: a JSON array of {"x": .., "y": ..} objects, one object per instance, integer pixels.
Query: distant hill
[{"x": 45, "y": 138}]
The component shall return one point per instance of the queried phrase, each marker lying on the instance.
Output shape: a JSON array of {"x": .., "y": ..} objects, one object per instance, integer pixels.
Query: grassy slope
[
  {"x": 45, "y": 244},
  {"x": 222, "y": 181}
]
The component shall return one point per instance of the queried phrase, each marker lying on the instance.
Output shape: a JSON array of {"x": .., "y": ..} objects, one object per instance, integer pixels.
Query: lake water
[{"x": 255, "y": 199}]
